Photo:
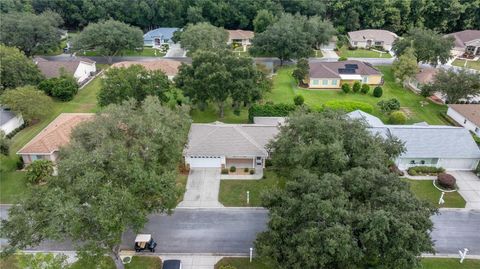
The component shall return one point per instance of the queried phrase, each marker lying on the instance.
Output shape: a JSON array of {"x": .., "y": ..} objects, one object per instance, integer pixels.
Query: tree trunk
[
  {"x": 115, "y": 255},
  {"x": 221, "y": 108}
]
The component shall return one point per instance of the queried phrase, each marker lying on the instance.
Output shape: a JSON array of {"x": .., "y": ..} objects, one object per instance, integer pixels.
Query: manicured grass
[
  {"x": 470, "y": 64},
  {"x": 437, "y": 263},
  {"x": 243, "y": 263},
  {"x": 284, "y": 86},
  {"x": 210, "y": 114},
  {"x": 12, "y": 183},
  {"x": 361, "y": 53},
  {"x": 144, "y": 262},
  {"x": 425, "y": 190},
  {"x": 147, "y": 52},
  {"x": 181, "y": 183},
  {"x": 107, "y": 263},
  {"x": 234, "y": 192}
]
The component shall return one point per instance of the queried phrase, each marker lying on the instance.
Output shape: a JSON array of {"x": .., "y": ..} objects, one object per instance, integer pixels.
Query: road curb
[
  {"x": 221, "y": 208},
  {"x": 450, "y": 256}
]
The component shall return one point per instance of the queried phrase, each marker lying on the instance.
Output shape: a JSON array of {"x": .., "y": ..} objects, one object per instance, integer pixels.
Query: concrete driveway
[
  {"x": 203, "y": 185},
  {"x": 469, "y": 187},
  {"x": 175, "y": 50}
]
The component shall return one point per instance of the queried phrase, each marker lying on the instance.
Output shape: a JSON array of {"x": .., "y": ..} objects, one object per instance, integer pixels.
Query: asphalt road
[{"x": 232, "y": 231}]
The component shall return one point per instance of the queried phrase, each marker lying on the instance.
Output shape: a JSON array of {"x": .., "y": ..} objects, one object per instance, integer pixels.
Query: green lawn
[
  {"x": 425, "y": 190},
  {"x": 470, "y": 64},
  {"x": 147, "y": 52},
  {"x": 210, "y": 114},
  {"x": 242, "y": 263},
  {"x": 144, "y": 262},
  {"x": 361, "y": 53},
  {"x": 234, "y": 192},
  {"x": 181, "y": 183}
]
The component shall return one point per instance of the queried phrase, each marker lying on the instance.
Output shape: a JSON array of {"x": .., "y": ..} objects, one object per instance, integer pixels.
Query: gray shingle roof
[
  {"x": 219, "y": 139},
  {"x": 374, "y": 34}
]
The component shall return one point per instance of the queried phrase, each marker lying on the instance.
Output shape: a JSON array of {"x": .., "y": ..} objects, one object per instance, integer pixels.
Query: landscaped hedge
[
  {"x": 349, "y": 106},
  {"x": 446, "y": 180},
  {"x": 270, "y": 110},
  {"x": 424, "y": 170}
]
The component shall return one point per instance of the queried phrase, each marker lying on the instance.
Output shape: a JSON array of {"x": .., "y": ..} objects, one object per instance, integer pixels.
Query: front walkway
[
  {"x": 202, "y": 188},
  {"x": 469, "y": 187}
]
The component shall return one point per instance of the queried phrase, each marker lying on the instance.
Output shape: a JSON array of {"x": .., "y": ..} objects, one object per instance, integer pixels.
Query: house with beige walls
[
  {"x": 242, "y": 38},
  {"x": 331, "y": 75},
  {"x": 167, "y": 66},
  {"x": 371, "y": 38}
]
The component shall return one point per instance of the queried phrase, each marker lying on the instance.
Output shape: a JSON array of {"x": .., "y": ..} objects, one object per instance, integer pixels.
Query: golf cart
[{"x": 144, "y": 242}]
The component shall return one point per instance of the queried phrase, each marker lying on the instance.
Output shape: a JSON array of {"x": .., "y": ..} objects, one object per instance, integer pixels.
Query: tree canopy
[
  {"x": 32, "y": 34},
  {"x": 405, "y": 66},
  {"x": 203, "y": 36},
  {"x": 118, "y": 168},
  {"x": 27, "y": 101},
  {"x": 16, "y": 69},
  {"x": 341, "y": 207},
  {"x": 109, "y": 38},
  {"x": 454, "y": 85},
  {"x": 263, "y": 19},
  {"x": 429, "y": 46}
]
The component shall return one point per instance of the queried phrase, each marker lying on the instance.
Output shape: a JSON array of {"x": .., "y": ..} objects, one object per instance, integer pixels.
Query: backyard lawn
[
  {"x": 361, "y": 53},
  {"x": 234, "y": 192},
  {"x": 425, "y": 190},
  {"x": 470, "y": 64},
  {"x": 146, "y": 52},
  {"x": 210, "y": 114}
]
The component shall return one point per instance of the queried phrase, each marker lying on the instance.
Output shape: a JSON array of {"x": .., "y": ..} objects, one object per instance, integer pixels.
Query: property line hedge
[
  {"x": 349, "y": 106},
  {"x": 270, "y": 110}
]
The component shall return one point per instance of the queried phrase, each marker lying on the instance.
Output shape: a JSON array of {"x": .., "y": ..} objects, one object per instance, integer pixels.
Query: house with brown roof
[
  {"x": 466, "y": 42},
  {"x": 242, "y": 38},
  {"x": 80, "y": 68},
  {"x": 467, "y": 115},
  {"x": 372, "y": 38},
  {"x": 169, "y": 67},
  {"x": 423, "y": 77},
  {"x": 46, "y": 145},
  {"x": 331, "y": 75}
]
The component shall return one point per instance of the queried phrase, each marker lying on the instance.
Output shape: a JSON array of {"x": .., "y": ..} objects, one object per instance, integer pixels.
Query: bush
[
  {"x": 268, "y": 163},
  {"x": 446, "y": 180},
  {"x": 38, "y": 171},
  {"x": 63, "y": 88},
  {"x": 298, "y": 100},
  {"x": 4, "y": 144},
  {"x": 252, "y": 171},
  {"x": 224, "y": 171},
  {"x": 341, "y": 59},
  {"x": 424, "y": 170},
  {"x": 346, "y": 88},
  {"x": 397, "y": 117},
  {"x": 270, "y": 110},
  {"x": 378, "y": 92},
  {"x": 245, "y": 170},
  {"x": 349, "y": 106},
  {"x": 387, "y": 106},
  {"x": 20, "y": 163},
  {"x": 365, "y": 88},
  {"x": 233, "y": 169},
  {"x": 356, "y": 86}
]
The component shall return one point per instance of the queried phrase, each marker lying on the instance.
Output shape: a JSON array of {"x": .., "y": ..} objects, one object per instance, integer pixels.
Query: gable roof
[
  {"x": 370, "y": 120},
  {"x": 55, "y": 135},
  {"x": 52, "y": 69},
  {"x": 6, "y": 116},
  {"x": 374, "y": 34},
  {"x": 470, "y": 111},
  {"x": 426, "y": 75},
  {"x": 169, "y": 67},
  {"x": 240, "y": 34},
  {"x": 331, "y": 69},
  {"x": 219, "y": 139},
  {"x": 162, "y": 32},
  {"x": 464, "y": 36}
]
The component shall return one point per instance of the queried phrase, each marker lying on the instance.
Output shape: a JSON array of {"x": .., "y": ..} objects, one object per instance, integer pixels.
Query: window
[
  {"x": 365, "y": 79},
  {"x": 325, "y": 82},
  {"x": 355, "y": 43},
  {"x": 334, "y": 82},
  {"x": 477, "y": 130},
  {"x": 465, "y": 121},
  {"x": 412, "y": 162},
  {"x": 378, "y": 43},
  {"x": 315, "y": 82}
]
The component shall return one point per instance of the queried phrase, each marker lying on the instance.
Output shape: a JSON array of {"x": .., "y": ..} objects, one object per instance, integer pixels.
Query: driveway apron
[
  {"x": 202, "y": 188},
  {"x": 469, "y": 187}
]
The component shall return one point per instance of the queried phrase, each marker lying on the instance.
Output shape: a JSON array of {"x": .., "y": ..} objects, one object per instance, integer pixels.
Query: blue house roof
[{"x": 163, "y": 33}]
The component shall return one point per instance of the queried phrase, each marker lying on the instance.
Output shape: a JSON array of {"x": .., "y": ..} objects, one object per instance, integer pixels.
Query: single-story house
[
  {"x": 159, "y": 36},
  {"x": 240, "y": 37},
  {"x": 331, "y": 75},
  {"x": 46, "y": 145},
  {"x": 167, "y": 66},
  {"x": 80, "y": 68},
  {"x": 223, "y": 145},
  {"x": 423, "y": 77},
  {"x": 372, "y": 38},
  {"x": 467, "y": 115},
  {"x": 452, "y": 148},
  {"x": 466, "y": 42},
  {"x": 9, "y": 121}
]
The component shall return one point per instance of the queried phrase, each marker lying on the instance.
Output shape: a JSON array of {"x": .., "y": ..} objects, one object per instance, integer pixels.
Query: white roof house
[
  {"x": 452, "y": 148},
  {"x": 9, "y": 121}
]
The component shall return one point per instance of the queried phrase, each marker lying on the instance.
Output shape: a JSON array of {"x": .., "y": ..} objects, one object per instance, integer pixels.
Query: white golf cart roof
[{"x": 143, "y": 238}]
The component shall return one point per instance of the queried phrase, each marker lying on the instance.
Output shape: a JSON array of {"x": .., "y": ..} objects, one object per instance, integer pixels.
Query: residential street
[{"x": 228, "y": 231}]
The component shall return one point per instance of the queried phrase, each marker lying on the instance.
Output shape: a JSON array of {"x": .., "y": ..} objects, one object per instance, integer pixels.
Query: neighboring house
[
  {"x": 80, "y": 68},
  {"x": 159, "y": 36},
  {"x": 331, "y": 75},
  {"x": 46, "y": 144},
  {"x": 452, "y": 148},
  {"x": 466, "y": 42},
  {"x": 9, "y": 121},
  {"x": 240, "y": 37},
  {"x": 169, "y": 67},
  {"x": 423, "y": 77},
  {"x": 467, "y": 116},
  {"x": 222, "y": 145},
  {"x": 372, "y": 38}
]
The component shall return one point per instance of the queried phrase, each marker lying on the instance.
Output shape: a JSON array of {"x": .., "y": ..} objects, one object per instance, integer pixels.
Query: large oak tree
[{"x": 16, "y": 69}]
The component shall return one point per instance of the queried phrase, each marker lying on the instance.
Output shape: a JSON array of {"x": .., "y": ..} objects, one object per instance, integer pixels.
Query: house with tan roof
[
  {"x": 369, "y": 38},
  {"x": 466, "y": 115},
  {"x": 46, "y": 145},
  {"x": 423, "y": 77},
  {"x": 467, "y": 42},
  {"x": 331, "y": 75},
  {"x": 80, "y": 68},
  {"x": 242, "y": 38},
  {"x": 167, "y": 66}
]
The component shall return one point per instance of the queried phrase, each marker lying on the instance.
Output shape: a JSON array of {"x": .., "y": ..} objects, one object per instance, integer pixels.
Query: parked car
[
  {"x": 145, "y": 242},
  {"x": 172, "y": 264}
]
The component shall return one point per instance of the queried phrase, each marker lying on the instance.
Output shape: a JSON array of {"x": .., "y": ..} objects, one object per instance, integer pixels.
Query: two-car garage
[{"x": 205, "y": 161}]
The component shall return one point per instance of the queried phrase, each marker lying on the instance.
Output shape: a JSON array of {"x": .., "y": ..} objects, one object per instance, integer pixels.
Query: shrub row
[
  {"x": 349, "y": 106},
  {"x": 270, "y": 110},
  {"x": 424, "y": 170}
]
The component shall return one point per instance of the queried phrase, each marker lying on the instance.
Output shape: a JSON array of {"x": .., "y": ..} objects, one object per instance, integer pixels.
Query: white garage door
[
  {"x": 198, "y": 162},
  {"x": 458, "y": 164}
]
